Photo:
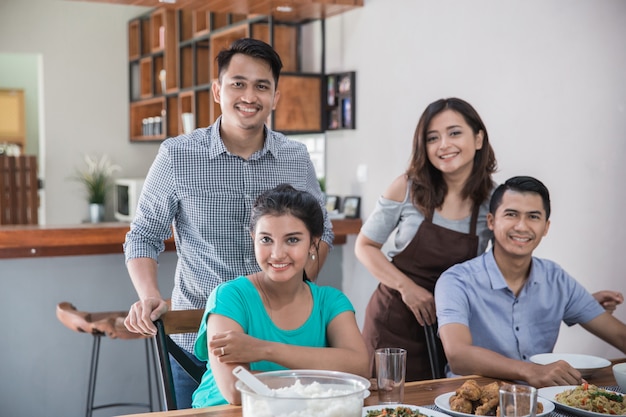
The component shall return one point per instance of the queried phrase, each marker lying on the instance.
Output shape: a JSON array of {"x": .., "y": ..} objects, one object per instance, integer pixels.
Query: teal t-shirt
[{"x": 240, "y": 301}]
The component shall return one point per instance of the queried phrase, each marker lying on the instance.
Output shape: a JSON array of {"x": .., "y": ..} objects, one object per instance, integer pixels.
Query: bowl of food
[
  {"x": 587, "y": 365},
  {"x": 305, "y": 393},
  {"x": 619, "y": 371}
]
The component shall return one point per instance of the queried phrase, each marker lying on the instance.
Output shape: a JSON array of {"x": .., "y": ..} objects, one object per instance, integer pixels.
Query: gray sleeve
[{"x": 383, "y": 220}]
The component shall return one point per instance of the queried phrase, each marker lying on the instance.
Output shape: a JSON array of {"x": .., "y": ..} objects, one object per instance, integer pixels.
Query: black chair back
[
  {"x": 175, "y": 322},
  {"x": 436, "y": 353}
]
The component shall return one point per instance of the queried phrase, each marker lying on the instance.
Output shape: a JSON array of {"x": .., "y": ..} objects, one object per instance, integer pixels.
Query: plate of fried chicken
[{"x": 472, "y": 399}]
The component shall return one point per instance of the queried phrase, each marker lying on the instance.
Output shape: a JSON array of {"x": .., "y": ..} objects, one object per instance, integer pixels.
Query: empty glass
[
  {"x": 390, "y": 372},
  {"x": 518, "y": 401}
]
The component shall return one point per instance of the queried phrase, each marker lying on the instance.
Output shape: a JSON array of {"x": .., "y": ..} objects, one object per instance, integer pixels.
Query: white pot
[{"x": 96, "y": 213}]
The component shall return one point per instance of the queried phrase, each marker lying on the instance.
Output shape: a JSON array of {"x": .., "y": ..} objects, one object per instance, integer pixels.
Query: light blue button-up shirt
[{"x": 476, "y": 295}]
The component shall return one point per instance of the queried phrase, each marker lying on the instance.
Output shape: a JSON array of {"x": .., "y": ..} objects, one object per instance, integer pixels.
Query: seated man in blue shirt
[{"x": 499, "y": 309}]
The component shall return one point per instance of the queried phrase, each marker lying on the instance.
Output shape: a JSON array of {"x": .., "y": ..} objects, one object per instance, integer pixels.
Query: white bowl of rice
[{"x": 306, "y": 393}]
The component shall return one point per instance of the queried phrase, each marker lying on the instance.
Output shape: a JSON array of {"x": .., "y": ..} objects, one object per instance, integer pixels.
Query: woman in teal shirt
[{"x": 277, "y": 318}]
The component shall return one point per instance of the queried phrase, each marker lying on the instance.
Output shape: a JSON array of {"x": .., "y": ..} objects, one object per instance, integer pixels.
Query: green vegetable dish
[{"x": 395, "y": 412}]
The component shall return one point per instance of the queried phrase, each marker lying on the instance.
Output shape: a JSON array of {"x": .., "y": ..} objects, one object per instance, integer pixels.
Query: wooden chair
[
  {"x": 110, "y": 324},
  {"x": 175, "y": 322},
  {"x": 436, "y": 354}
]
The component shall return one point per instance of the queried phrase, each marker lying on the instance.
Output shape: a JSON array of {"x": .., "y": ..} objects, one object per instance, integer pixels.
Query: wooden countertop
[{"x": 98, "y": 238}]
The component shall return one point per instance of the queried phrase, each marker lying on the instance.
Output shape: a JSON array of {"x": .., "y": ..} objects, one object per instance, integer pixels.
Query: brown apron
[{"x": 388, "y": 321}]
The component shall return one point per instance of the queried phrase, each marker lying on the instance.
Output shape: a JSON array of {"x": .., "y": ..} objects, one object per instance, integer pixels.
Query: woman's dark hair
[
  {"x": 521, "y": 184},
  {"x": 253, "y": 48},
  {"x": 428, "y": 186},
  {"x": 284, "y": 199}
]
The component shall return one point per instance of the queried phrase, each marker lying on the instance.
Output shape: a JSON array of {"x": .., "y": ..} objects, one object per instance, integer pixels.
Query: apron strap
[{"x": 474, "y": 220}]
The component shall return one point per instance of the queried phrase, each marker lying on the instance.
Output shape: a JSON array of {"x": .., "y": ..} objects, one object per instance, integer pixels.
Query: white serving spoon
[
  {"x": 280, "y": 407},
  {"x": 253, "y": 382}
]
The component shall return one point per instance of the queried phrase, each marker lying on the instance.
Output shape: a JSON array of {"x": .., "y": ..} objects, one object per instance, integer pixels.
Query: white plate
[
  {"x": 550, "y": 394},
  {"x": 443, "y": 402},
  {"x": 423, "y": 410},
  {"x": 586, "y": 364}
]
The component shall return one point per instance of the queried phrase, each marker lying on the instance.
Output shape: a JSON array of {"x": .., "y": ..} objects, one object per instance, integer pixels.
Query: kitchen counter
[{"x": 97, "y": 238}]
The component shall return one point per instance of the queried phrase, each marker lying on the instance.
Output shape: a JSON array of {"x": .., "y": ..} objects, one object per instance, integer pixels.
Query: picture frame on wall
[{"x": 352, "y": 207}]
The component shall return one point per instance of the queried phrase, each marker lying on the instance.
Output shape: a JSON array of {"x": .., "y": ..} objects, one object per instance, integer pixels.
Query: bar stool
[{"x": 110, "y": 324}]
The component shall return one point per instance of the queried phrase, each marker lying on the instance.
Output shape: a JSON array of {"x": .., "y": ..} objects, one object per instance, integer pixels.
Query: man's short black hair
[
  {"x": 521, "y": 184},
  {"x": 253, "y": 48}
]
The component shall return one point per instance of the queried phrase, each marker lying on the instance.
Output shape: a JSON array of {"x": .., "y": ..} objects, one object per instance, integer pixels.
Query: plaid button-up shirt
[{"x": 206, "y": 194}]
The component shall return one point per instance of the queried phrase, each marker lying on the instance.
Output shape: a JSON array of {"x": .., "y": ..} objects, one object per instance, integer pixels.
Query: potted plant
[{"x": 97, "y": 179}]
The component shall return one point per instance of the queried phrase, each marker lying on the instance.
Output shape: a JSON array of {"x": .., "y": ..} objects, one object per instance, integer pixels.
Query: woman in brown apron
[{"x": 436, "y": 214}]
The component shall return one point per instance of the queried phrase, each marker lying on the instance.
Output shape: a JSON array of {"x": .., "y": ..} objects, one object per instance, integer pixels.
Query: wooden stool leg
[{"x": 93, "y": 372}]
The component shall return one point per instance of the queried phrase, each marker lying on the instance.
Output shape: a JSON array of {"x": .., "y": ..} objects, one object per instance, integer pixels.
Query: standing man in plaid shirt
[{"x": 203, "y": 184}]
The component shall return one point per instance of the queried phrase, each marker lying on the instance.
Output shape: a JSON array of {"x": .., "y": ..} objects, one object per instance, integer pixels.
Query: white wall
[
  {"x": 548, "y": 79},
  {"x": 84, "y": 51}
]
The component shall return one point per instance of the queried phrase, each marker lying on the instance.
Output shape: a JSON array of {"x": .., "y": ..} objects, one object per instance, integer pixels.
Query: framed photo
[
  {"x": 352, "y": 207},
  {"x": 332, "y": 202}
]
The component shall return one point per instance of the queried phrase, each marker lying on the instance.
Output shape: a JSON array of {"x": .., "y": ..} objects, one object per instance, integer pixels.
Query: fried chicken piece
[
  {"x": 488, "y": 408},
  {"x": 489, "y": 400},
  {"x": 490, "y": 392},
  {"x": 461, "y": 404},
  {"x": 470, "y": 390}
]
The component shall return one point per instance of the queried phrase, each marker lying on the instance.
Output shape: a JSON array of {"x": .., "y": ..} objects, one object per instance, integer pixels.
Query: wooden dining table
[{"x": 422, "y": 393}]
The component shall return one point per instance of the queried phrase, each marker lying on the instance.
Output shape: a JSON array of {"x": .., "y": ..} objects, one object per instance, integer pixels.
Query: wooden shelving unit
[{"x": 172, "y": 66}]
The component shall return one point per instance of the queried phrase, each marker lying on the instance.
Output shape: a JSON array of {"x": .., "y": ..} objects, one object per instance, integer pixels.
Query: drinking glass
[
  {"x": 390, "y": 372},
  {"x": 518, "y": 401}
]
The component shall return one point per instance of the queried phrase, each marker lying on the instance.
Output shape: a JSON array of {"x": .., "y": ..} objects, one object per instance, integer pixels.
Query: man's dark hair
[
  {"x": 521, "y": 184},
  {"x": 253, "y": 48}
]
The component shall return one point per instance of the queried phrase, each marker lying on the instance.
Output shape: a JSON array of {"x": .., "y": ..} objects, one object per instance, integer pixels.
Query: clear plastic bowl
[{"x": 319, "y": 394}]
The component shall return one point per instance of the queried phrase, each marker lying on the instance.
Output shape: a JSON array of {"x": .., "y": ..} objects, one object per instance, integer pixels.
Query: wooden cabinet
[{"x": 172, "y": 65}]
